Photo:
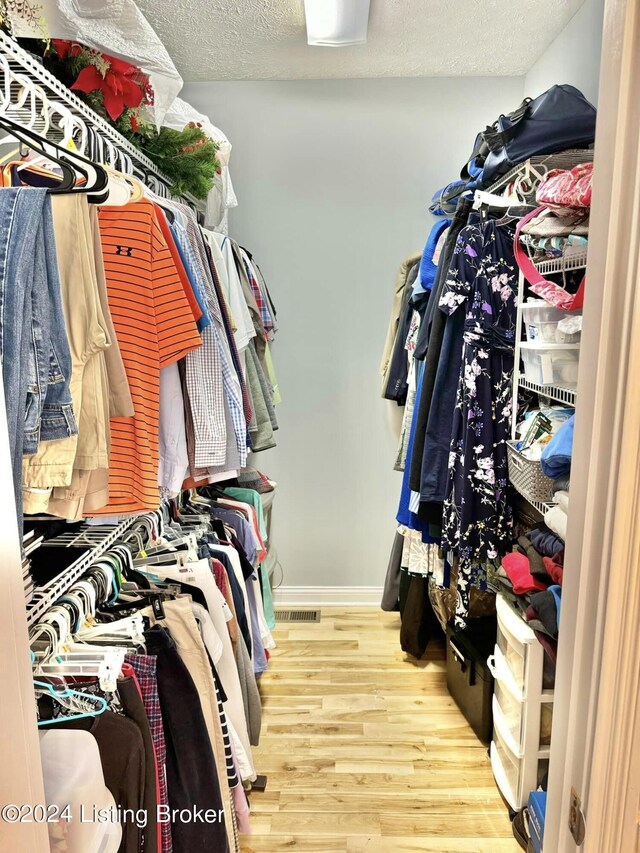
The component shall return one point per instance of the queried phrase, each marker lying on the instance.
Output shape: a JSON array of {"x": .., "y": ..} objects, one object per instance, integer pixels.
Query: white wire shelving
[
  {"x": 98, "y": 539},
  {"x": 16, "y": 63}
]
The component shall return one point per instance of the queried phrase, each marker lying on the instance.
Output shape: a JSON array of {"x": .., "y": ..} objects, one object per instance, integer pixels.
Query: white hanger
[
  {"x": 104, "y": 662},
  {"x": 131, "y": 628}
]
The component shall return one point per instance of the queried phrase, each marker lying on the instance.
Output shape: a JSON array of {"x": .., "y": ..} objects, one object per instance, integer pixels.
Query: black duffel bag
[{"x": 558, "y": 119}]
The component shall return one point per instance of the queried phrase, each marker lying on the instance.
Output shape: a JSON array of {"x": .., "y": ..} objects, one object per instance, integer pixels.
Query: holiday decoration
[
  {"x": 187, "y": 157},
  {"x": 116, "y": 90}
]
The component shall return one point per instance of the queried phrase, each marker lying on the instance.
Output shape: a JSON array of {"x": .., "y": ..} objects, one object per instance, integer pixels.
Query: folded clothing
[
  {"x": 562, "y": 499},
  {"x": 551, "y": 648},
  {"x": 556, "y": 457},
  {"x": 535, "y": 622},
  {"x": 516, "y": 566},
  {"x": 561, "y": 485},
  {"x": 547, "y": 606},
  {"x": 545, "y": 541},
  {"x": 536, "y": 566},
  {"x": 554, "y": 569},
  {"x": 556, "y": 520}
]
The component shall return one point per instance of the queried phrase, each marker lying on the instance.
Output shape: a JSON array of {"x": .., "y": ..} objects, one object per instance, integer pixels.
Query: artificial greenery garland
[{"x": 187, "y": 157}]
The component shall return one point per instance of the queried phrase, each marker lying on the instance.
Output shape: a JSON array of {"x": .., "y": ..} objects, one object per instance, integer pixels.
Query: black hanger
[{"x": 71, "y": 163}]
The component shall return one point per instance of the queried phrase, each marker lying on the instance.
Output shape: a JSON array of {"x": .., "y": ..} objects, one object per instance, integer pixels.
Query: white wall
[
  {"x": 334, "y": 180},
  {"x": 574, "y": 56}
]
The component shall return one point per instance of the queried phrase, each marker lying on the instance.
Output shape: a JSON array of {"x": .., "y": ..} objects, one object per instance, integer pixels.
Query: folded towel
[
  {"x": 556, "y": 457},
  {"x": 556, "y": 519}
]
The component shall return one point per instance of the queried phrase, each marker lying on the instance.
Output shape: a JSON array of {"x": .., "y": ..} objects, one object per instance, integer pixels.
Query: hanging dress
[{"x": 477, "y": 517}]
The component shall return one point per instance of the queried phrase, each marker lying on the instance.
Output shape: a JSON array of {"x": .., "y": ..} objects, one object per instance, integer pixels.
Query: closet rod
[{"x": 24, "y": 64}]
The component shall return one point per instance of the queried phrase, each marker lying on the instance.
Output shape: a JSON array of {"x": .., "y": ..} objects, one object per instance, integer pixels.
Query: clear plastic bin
[
  {"x": 551, "y": 364},
  {"x": 512, "y": 710},
  {"x": 541, "y": 323},
  {"x": 541, "y": 320}
]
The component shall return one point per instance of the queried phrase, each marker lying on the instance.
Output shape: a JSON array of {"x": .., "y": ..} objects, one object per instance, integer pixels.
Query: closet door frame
[
  {"x": 21, "y": 781},
  {"x": 597, "y": 708}
]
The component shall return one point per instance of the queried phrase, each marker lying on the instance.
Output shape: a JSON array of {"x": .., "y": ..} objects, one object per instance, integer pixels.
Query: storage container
[
  {"x": 541, "y": 323},
  {"x": 551, "y": 364},
  {"x": 540, "y": 320},
  {"x": 469, "y": 679},
  {"x": 514, "y": 714},
  {"x": 527, "y": 477},
  {"x": 522, "y": 709},
  {"x": 516, "y": 776}
]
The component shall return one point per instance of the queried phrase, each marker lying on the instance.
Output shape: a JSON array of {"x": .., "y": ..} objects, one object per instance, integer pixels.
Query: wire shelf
[
  {"x": 100, "y": 539},
  {"x": 542, "y": 164},
  {"x": 553, "y": 392},
  {"x": 567, "y": 263},
  {"x": 24, "y": 64}
]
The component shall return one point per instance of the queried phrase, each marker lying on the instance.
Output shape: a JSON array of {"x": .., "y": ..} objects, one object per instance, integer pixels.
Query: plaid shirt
[
  {"x": 261, "y": 300},
  {"x": 144, "y": 667},
  {"x": 203, "y": 374},
  {"x": 246, "y": 401},
  {"x": 232, "y": 390}
]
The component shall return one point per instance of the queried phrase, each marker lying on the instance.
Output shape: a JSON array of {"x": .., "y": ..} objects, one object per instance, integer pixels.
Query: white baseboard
[{"x": 328, "y": 596}]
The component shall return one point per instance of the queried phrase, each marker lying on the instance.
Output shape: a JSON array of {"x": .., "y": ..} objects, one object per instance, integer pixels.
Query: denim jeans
[{"x": 36, "y": 363}]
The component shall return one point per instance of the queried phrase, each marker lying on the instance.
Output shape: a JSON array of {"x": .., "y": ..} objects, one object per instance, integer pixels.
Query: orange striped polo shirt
[{"x": 155, "y": 326}]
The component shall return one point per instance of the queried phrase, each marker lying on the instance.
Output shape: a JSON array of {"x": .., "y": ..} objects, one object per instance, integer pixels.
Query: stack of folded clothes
[
  {"x": 556, "y": 464},
  {"x": 531, "y": 578}
]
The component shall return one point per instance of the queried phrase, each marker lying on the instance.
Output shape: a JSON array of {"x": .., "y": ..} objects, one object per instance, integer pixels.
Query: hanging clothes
[{"x": 477, "y": 515}]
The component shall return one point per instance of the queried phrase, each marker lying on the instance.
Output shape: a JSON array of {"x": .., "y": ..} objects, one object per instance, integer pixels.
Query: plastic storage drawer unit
[{"x": 551, "y": 364}]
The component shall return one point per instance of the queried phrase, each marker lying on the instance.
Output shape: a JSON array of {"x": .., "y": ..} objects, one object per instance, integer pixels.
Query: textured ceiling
[{"x": 266, "y": 39}]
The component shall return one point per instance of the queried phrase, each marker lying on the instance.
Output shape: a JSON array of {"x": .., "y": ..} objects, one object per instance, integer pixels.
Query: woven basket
[{"x": 527, "y": 477}]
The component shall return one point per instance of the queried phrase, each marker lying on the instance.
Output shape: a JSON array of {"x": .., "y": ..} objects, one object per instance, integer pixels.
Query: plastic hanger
[
  {"x": 83, "y": 660},
  {"x": 131, "y": 629},
  {"x": 73, "y": 700},
  {"x": 33, "y": 142},
  {"x": 96, "y": 177}
]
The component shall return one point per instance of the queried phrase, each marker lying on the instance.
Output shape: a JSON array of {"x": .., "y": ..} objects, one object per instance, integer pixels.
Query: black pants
[
  {"x": 134, "y": 709},
  {"x": 192, "y": 780}
]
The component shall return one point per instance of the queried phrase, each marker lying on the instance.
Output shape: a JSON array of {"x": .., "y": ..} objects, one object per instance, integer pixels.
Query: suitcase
[{"x": 469, "y": 680}]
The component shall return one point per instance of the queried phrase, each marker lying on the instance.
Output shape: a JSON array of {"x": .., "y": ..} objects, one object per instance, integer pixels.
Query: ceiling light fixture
[{"x": 336, "y": 23}]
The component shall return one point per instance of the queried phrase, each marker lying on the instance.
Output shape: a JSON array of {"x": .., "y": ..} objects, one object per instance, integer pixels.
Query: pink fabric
[
  {"x": 240, "y": 800},
  {"x": 566, "y": 188},
  {"x": 554, "y": 570},
  {"x": 516, "y": 566},
  {"x": 220, "y": 576},
  {"x": 547, "y": 290}
]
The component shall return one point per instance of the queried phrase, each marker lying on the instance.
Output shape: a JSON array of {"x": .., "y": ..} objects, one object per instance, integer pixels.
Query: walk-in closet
[{"x": 319, "y": 426}]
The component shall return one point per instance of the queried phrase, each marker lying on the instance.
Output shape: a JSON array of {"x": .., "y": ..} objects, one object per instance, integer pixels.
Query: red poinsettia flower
[
  {"x": 65, "y": 48},
  {"x": 120, "y": 86}
]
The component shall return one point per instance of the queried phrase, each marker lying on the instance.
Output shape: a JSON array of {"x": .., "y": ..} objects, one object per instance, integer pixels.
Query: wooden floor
[{"x": 365, "y": 751}]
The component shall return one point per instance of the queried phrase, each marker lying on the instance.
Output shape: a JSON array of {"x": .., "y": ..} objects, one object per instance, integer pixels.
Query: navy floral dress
[{"x": 477, "y": 520}]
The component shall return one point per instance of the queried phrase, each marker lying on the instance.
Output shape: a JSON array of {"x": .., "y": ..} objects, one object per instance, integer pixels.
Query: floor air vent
[{"x": 297, "y": 615}]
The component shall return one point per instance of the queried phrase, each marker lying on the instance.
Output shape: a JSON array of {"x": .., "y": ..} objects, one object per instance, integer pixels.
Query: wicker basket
[{"x": 527, "y": 477}]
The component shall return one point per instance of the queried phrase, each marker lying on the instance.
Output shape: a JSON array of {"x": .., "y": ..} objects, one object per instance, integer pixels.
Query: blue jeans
[{"x": 36, "y": 362}]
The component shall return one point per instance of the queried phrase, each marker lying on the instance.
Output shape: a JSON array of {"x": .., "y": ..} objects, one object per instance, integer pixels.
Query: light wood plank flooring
[{"x": 365, "y": 751}]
